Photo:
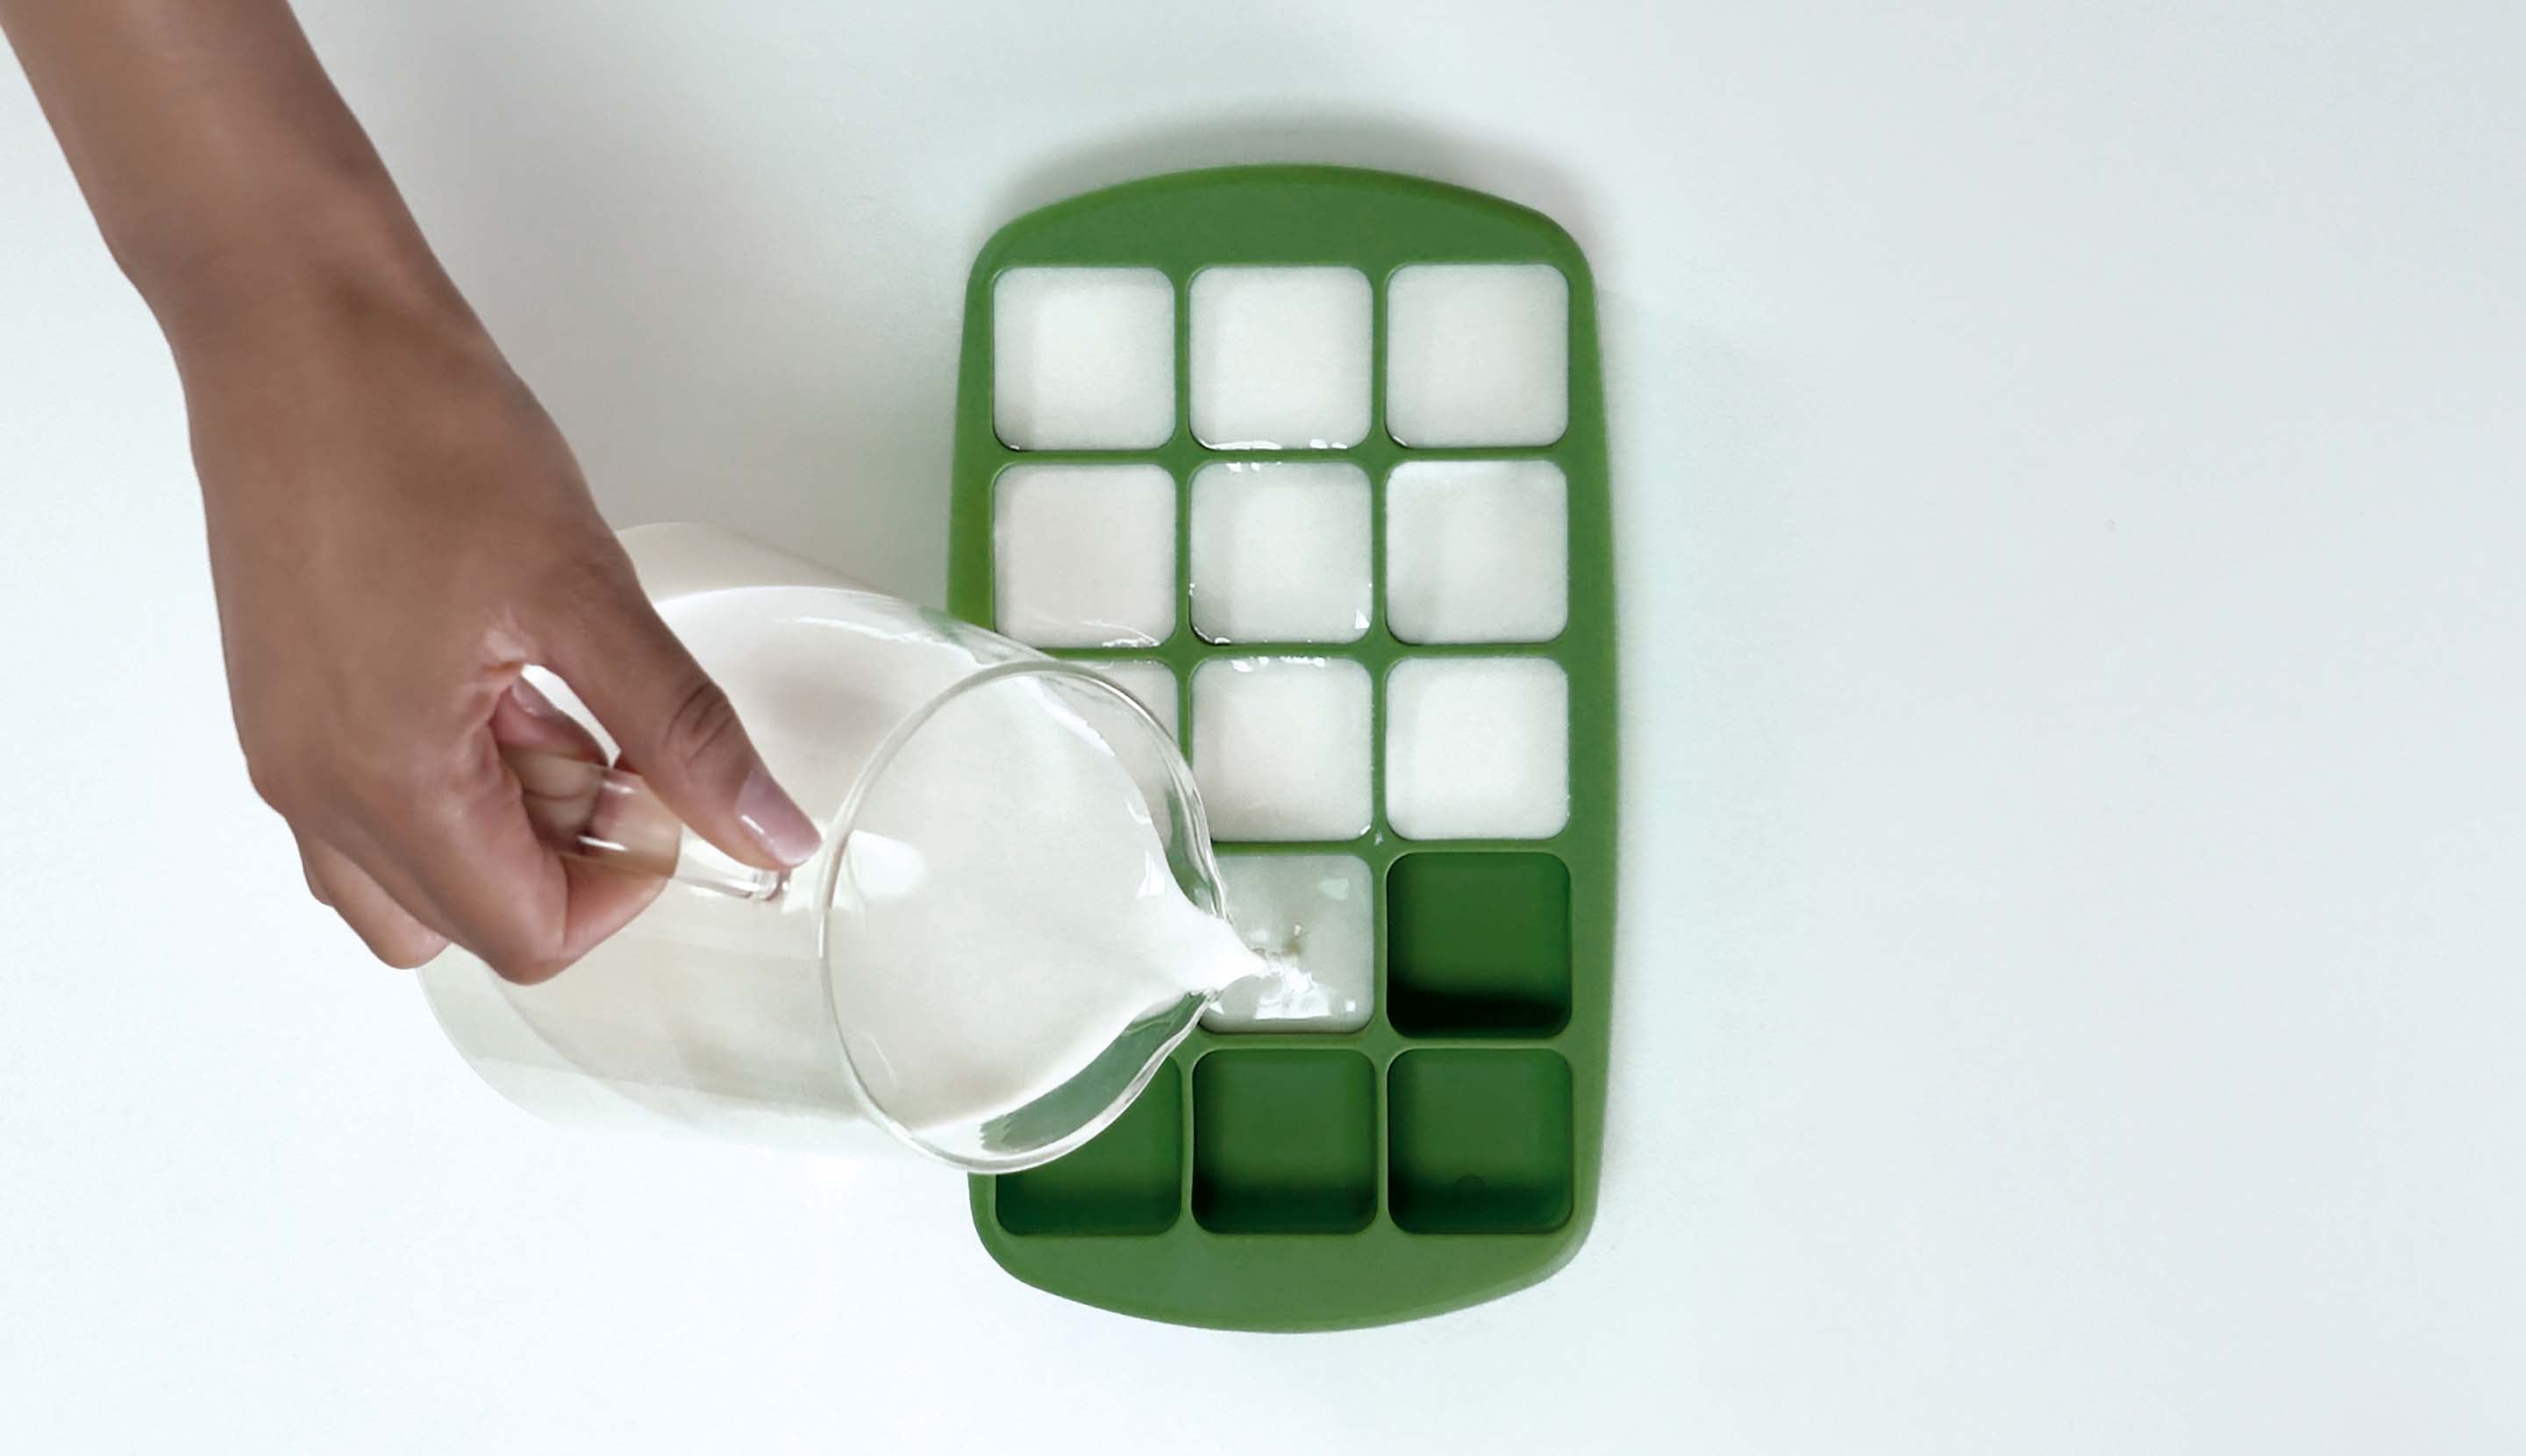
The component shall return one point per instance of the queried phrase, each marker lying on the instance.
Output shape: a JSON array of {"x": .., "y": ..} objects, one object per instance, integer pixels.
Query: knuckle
[
  {"x": 521, "y": 953},
  {"x": 703, "y": 723},
  {"x": 527, "y": 967},
  {"x": 276, "y": 779},
  {"x": 350, "y": 766},
  {"x": 390, "y": 937},
  {"x": 588, "y": 585},
  {"x": 383, "y": 777},
  {"x": 410, "y": 955}
]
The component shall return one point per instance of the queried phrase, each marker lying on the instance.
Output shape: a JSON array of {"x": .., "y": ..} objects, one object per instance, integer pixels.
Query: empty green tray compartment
[
  {"x": 1446, "y": 1152},
  {"x": 1126, "y": 1180},
  {"x": 1283, "y": 1141},
  {"x": 1481, "y": 1141},
  {"x": 1479, "y": 944}
]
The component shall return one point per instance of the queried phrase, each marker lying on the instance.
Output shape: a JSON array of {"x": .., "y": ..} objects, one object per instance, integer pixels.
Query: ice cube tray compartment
[
  {"x": 1386, "y": 644},
  {"x": 1478, "y": 945},
  {"x": 1085, "y": 555},
  {"x": 1152, "y": 684},
  {"x": 1280, "y": 357},
  {"x": 1280, "y": 552},
  {"x": 1481, "y": 1141},
  {"x": 1284, "y": 1141},
  {"x": 1082, "y": 356},
  {"x": 1318, "y": 910},
  {"x": 1126, "y": 1180}
]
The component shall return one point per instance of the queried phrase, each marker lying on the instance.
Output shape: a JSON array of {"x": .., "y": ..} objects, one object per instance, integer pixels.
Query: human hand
[{"x": 396, "y": 529}]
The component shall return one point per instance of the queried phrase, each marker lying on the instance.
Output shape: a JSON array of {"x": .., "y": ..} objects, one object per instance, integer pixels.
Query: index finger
[{"x": 473, "y": 854}]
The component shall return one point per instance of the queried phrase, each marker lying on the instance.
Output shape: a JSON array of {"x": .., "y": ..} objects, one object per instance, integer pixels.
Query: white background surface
[{"x": 2069, "y": 467}]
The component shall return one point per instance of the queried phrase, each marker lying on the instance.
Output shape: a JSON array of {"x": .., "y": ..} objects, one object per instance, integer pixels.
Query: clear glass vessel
[{"x": 746, "y": 1005}]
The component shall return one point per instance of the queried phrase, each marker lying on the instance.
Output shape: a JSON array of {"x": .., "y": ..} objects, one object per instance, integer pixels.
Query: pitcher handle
[{"x": 611, "y": 817}]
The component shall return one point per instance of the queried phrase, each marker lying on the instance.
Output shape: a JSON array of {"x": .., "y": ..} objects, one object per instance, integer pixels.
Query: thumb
[{"x": 680, "y": 731}]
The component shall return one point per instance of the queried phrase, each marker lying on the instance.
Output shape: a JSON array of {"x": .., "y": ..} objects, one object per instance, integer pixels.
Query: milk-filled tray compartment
[
  {"x": 1085, "y": 555},
  {"x": 1280, "y": 551},
  {"x": 1084, "y": 358},
  {"x": 1311, "y": 462},
  {"x": 1477, "y": 551},
  {"x": 1318, "y": 910},
  {"x": 1281, "y": 357},
  {"x": 1476, "y": 747},
  {"x": 1478, "y": 354},
  {"x": 1283, "y": 747},
  {"x": 1152, "y": 684}
]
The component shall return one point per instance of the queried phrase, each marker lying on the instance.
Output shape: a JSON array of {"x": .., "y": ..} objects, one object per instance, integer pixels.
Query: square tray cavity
[{"x": 1312, "y": 462}]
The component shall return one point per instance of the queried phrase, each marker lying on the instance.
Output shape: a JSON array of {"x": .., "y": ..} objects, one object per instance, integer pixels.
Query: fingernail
[
  {"x": 781, "y": 827},
  {"x": 531, "y": 698}
]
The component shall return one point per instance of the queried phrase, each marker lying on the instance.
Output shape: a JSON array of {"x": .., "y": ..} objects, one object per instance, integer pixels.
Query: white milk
[
  {"x": 1280, "y": 357},
  {"x": 1151, "y": 684},
  {"x": 1003, "y": 911},
  {"x": 1477, "y": 551},
  {"x": 1478, "y": 748},
  {"x": 1312, "y": 914},
  {"x": 1084, "y": 358},
  {"x": 1085, "y": 555},
  {"x": 1280, "y": 552},
  {"x": 1478, "y": 354},
  {"x": 1281, "y": 746}
]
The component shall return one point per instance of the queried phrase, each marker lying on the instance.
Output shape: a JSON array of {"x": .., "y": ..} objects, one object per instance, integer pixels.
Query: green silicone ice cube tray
[{"x": 1446, "y": 1151}]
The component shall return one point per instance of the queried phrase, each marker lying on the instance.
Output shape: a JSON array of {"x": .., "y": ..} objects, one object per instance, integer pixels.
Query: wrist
[{"x": 294, "y": 268}]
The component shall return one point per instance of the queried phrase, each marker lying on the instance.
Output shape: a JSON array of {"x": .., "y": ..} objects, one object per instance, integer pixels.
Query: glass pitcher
[{"x": 770, "y": 1008}]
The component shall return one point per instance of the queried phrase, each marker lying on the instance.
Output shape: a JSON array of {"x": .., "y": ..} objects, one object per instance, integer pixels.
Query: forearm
[{"x": 228, "y": 176}]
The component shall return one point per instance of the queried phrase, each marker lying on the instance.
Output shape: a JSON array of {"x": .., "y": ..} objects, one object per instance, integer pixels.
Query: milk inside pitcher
[{"x": 1014, "y": 917}]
